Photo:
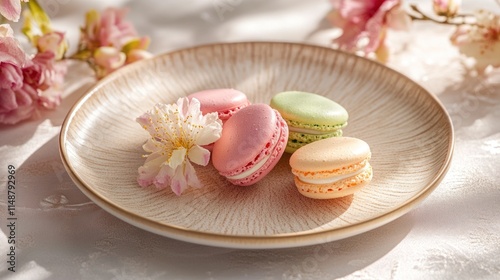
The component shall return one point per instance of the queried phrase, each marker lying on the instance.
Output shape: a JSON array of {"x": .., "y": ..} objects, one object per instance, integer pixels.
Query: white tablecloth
[{"x": 453, "y": 234}]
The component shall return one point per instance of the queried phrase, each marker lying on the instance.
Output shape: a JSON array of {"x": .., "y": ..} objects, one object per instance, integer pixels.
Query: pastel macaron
[
  {"x": 310, "y": 117},
  {"x": 331, "y": 168},
  {"x": 252, "y": 142},
  {"x": 225, "y": 101}
]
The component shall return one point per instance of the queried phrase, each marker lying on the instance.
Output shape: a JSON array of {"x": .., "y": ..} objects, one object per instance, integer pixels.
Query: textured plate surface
[{"x": 409, "y": 132}]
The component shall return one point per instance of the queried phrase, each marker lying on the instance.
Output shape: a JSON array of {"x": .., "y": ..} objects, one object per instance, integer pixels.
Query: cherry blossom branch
[{"x": 462, "y": 19}]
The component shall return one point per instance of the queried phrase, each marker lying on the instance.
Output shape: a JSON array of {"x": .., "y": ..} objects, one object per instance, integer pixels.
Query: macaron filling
[
  {"x": 315, "y": 127},
  {"x": 332, "y": 179},
  {"x": 306, "y": 130},
  {"x": 253, "y": 169}
]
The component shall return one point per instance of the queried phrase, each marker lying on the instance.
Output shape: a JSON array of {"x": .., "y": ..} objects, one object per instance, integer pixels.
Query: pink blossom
[
  {"x": 481, "y": 40},
  {"x": 110, "y": 41},
  {"x": 366, "y": 19},
  {"x": 26, "y": 85},
  {"x": 447, "y": 8},
  {"x": 107, "y": 30},
  {"x": 11, "y": 9},
  {"x": 17, "y": 100},
  {"x": 50, "y": 73},
  {"x": 115, "y": 30}
]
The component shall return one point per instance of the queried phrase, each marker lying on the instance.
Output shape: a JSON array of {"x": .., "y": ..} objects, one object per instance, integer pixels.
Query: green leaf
[
  {"x": 39, "y": 16},
  {"x": 82, "y": 55},
  {"x": 136, "y": 43},
  {"x": 131, "y": 45},
  {"x": 27, "y": 28}
]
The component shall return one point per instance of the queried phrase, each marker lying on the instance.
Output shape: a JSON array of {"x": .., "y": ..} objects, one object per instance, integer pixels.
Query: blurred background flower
[
  {"x": 32, "y": 82},
  {"x": 480, "y": 40},
  {"x": 108, "y": 41},
  {"x": 18, "y": 98},
  {"x": 365, "y": 23}
]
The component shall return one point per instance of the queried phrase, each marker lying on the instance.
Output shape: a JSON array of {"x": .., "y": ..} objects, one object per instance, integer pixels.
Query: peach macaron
[{"x": 332, "y": 167}]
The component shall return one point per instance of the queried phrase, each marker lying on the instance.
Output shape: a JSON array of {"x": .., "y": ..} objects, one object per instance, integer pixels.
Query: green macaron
[{"x": 310, "y": 117}]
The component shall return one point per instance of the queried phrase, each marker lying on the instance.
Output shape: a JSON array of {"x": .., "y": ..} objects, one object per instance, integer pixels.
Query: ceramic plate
[{"x": 409, "y": 131}]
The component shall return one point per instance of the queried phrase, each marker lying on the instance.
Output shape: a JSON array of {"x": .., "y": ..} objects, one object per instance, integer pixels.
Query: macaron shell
[
  {"x": 276, "y": 153},
  {"x": 309, "y": 108},
  {"x": 223, "y": 101},
  {"x": 331, "y": 153},
  {"x": 243, "y": 139},
  {"x": 340, "y": 188},
  {"x": 226, "y": 114}
]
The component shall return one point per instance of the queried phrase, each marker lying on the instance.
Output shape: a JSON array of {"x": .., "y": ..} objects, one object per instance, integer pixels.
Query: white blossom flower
[
  {"x": 480, "y": 40},
  {"x": 177, "y": 133}
]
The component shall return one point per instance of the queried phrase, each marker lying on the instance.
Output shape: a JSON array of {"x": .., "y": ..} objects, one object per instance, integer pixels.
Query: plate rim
[{"x": 285, "y": 240}]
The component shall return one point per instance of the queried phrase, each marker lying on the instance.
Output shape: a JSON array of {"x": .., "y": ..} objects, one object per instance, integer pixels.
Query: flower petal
[
  {"x": 357, "y": 11},
  {"x": 5, "y": 29},
  {"x": 149, "y": 170},
  {"x": 25, "y": 104},
  {"x": 152, "y": 146},
  {"x": 199, "y": 155},
  {"x": 398, "y": 19},
  {"x": 145, "y": 121},
  {"x": 178, "y": 157},
  {"x": 377, "y": 25},
  {"x": 211, "y": 132},
  {"x": 179, "y": 182},
  {"x": 183, "y": 106},
  {"x": 191, "y": 178},
  {"x": 164, "y": 177},
  {"x": 114, "y": 30},
  {"x": 7, "y": 100},
  {"x": 10, "y": 9},
  {"x": 11, "y": 76}
]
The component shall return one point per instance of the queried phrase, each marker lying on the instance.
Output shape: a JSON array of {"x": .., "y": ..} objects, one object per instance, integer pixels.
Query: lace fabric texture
[{"x": 453, "y": 234}]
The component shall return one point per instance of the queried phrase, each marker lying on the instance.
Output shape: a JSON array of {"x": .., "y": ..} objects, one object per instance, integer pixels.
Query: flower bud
[
  {"x": 447, "y": 8},
  {"x": 136, "y": 55},
  {"x": 108, "y": 59},
  {"x": 53, "y": 42}
]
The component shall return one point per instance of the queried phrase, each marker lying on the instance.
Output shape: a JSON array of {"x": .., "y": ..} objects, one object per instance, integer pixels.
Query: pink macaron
[
  {"x": 225, "y": 101},
  {"x": 252, "y": 142}
]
